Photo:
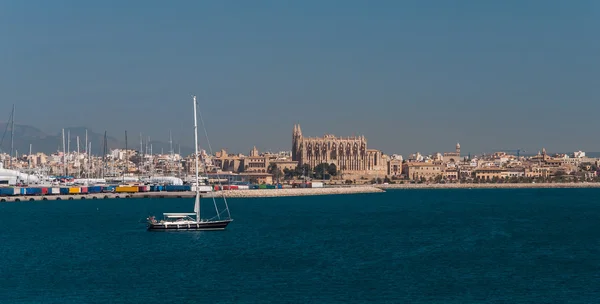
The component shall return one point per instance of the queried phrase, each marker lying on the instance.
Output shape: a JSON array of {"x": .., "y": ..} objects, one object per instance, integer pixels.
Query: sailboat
[{"x": 191, "y": 221}]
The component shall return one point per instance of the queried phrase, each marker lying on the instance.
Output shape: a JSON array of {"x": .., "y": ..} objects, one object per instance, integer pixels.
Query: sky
[{"x": 411, "y": 76}]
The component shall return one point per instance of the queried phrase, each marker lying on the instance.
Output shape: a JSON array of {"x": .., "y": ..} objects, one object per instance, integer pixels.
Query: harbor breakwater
[{"x": 190, "y": 194}]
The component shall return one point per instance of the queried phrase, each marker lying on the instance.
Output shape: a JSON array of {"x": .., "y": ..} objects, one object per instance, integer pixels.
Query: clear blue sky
[{"x": 409, "y": 75}]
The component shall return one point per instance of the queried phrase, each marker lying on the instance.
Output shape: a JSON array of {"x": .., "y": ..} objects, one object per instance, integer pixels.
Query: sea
[{"x": 402, "y": 246}]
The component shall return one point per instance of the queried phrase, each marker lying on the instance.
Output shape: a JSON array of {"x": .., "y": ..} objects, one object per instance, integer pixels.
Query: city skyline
[
  {"x": 411, "y": 77},
  {"x": 162, "y": 146}
]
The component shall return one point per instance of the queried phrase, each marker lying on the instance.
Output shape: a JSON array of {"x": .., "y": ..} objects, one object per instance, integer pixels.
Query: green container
[{"x": 262, "y": 186}]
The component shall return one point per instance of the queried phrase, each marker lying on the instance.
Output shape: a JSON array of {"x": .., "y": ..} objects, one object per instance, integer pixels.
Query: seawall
[
  {"x": 190, "y": 194},
  {"x": 489, "y": 186},
  {"x": 300, "y": 191}
]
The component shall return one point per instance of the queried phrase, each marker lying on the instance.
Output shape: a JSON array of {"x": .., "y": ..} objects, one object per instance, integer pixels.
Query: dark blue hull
[{"x": 212, "y": 225}]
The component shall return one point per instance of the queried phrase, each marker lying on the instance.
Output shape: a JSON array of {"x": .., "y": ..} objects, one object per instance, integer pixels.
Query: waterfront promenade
[{"x": 490, "y": 185}]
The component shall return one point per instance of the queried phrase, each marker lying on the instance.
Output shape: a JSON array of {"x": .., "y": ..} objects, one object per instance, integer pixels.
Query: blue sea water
[{"x": 403, "y": 246}]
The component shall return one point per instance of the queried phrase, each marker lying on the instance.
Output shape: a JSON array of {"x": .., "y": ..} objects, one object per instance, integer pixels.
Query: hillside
[{"x": 51, "y": 143}]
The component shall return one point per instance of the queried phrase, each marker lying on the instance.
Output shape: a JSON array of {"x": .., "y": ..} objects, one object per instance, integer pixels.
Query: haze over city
[{"x": 409, "y": 75}]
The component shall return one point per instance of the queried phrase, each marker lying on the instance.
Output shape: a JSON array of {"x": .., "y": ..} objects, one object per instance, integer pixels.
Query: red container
[
  {"x": 84, "y": 190},
  {"x": 216, "y": 188},
  {"x": 230, "y": 187},
  {"x": 143, "y": 189},
  {"x": 44, "y": 190}
]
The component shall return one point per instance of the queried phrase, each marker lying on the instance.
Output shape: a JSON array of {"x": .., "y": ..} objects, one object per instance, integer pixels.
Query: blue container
[
  {"x": 22, "y": 191},
  {"x": 109, "y": 189},
  {"x": 64, "y": 190},
  {"x": 7, "y": 191},
  {"x": 32, "y": 191},
  {"x": 95, "y": 189},
  {"x": 177, "y": 188},
  {"x": 279, "y": 186}
]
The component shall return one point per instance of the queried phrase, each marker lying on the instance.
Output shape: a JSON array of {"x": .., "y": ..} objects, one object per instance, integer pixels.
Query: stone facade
[
  {"x": 350, "y": 154},
  {"x": 418, "y": 170}
]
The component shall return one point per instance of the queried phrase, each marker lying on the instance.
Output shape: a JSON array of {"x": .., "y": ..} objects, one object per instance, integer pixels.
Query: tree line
[{"x": 320, "y": 171}]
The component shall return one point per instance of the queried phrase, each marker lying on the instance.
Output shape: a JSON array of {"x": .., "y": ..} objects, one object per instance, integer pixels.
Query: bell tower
[{"x": 296, "y": 138}]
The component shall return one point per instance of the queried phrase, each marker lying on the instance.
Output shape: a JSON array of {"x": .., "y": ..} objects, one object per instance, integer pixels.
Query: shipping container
[
  {"x": 317, "y": 185},
  {"x": 156, "y": 188},
  {"x": 32, "y": 191},
  {"x": 74, "y": 190},
  {"x": 84, "y": 190},
  {"x": 270, "y": 186},
  {"x": 177, "y": 188},
  {"x": 44, "y": 190},
  {"x": 8, "y": 191},
  {"x": 126, "y": 189},
  {"x": 64, "y": 190},
  {"x": 54, "y": 190},
  {"x": 95, "y": 189},
  {"x": 202, "y": 189},
  {"x": 143, "y": 188},
  {"x": 109, "y": 189},
  {"x": 22, "y": 191},
  {"x": 262, "y": 186},
  {"x": 279, "y": 186},
  {"x": 243, "y": 187}
]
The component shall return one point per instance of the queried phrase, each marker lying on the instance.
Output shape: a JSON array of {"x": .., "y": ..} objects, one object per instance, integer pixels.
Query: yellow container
[
  {"x": 74, "y": 190},
  {"x": 126, "y": 189}
]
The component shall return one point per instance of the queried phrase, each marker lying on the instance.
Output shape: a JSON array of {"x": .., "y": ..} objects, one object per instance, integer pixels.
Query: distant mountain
[
  {"x": 592, "y": 154},
  {"x": 51, "y": 143}
]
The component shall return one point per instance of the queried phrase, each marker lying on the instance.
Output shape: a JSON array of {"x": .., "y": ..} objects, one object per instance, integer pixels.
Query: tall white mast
[
  {"x": 29, "y": 164},
  {"x": 87, "y": 159},
  {"x": 197, "y": 205},
  {"x": 79, "y": 165},
  {"x": 151, "y": 161},
  {"x": 68, "y": 142},
  {"x": 64, "y": 153},
  {"x": 171, "y": 153},
  {"x": 12, "y": 136},
  {"x": 141, "y": 156},
  {"x": 90, "y": 165}
]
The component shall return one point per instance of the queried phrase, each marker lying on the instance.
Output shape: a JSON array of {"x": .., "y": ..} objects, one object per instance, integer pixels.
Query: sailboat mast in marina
[{"x": 192, "y": 221}]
